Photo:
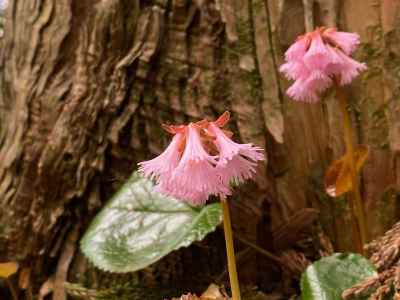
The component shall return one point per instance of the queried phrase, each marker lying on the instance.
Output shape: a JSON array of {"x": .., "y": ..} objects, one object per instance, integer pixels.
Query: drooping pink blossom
[
  {"x": 236, "y": 162},
  {"x": 201, "y": 161},
  {"x": 345, "y": 68},
  {"x": 346, "y": 41},
  {"x": 298, "y": 49},
  {"x": 317, "y": 55},
  {"x": 319, "y": 59},
  {"x": 173, "y": 189},
  {"x": 162, "y": 166},
  {"x": 195, "y": 175},
  {"x": 307, "y": 88}
]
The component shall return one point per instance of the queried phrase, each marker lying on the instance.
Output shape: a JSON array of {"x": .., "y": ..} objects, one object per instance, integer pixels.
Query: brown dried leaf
[
  {"x": 46, "y": 288},
  {"x": 338, "y": 176},
  {"x": 247, "y": 63},
  {"x": 213, "y": 292},
  {"x": 361, "y": 154},
  {"x": 187, "y": 297},
  {"x": 7, "y": 269}
]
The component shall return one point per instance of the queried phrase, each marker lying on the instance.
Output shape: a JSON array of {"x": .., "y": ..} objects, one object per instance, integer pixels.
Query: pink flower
[
  {"x": 195, "y": 176},
  {"x": 298, "y": 49},
  {"x": 180, "y": 193},
  {"x": 201, "y": 161},
  {"x": 346, "y": 41},
  {"x": 319, "y": 59},
  {"x": 237, "y": 162},
  {"x": 344, "y": 67},
  {"x": 307, "y": 88},
  {"x": 162, "y": 166}
]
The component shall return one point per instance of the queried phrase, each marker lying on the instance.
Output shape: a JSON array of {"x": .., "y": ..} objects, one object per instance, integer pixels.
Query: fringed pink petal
[
  {"x": 165, "y": 163},
  {"x": 350, "y": 69},
  {"x": 317, "y": 57},
  {"x": 228, "y": 148},
  {"x": 195, "y": 172},
  {"x": 347, "y": 41},
  {"x": 181, "y": 193},
  {"x": 294, "y": 70},
  {"x": 318, "y": 81},
  {"x": 308, "y": 89},
  {"x": 298, "y": 49},
  {"x": 299, "y": 92},
  {"x": 344, "y": 67},
  {"x": 325, "y": 58},
  {"x": 236, "y": 162},
  {"x": 237, "y": 170}
]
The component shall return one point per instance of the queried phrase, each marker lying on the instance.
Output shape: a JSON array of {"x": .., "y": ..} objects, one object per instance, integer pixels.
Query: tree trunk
[{"x": 86, "y": 84}]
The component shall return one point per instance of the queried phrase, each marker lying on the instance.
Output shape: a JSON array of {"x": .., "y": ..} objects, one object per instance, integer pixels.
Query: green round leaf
[
  {"x": 327, "y": 278},
  {"x": 139, "y": 226}
]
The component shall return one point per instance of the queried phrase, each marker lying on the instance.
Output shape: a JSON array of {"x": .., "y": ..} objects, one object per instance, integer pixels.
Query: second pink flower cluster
[
  {"x": 319, "y": 59},
  {"x": 200, "y": 161}
]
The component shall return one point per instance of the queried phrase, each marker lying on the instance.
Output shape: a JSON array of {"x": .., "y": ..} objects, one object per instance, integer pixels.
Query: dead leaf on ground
[
  {"x": 187, "y": 297},
  {"x": 46, "y": 288},
  {"x": 213, "y": 292},
  {"x": 7, "y": 269},
  {"x": 338, "y": 176}
]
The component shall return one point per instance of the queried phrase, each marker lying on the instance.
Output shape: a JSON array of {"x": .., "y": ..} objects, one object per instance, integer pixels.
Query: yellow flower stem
[
  {"x": 357, "y": 205},
  {"x": 230, "y": 252}
]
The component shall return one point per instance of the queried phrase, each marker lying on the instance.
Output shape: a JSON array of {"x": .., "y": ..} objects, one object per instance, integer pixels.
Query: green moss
[
  {"x": 388, "y": 209},
  {"x": 379, "y": 113},
  {"x": 220, "y": 89},
  {"x": 253, "y": 84},
  {"x": 330, "y": 208},
  {"x": 373, "y": 50},
  {"x": 244, "y": 44},
  {"x": 158, "y": 133},
  {"x": 369, "y": 51},
  {"x": 258, "y": 5},
  {"x": 2, "y": 229},
  {"x": 148, "y": 97}
]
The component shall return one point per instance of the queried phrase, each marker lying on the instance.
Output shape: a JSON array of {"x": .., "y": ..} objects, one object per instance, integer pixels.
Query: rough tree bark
[{"x": 86, "y": 84}]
